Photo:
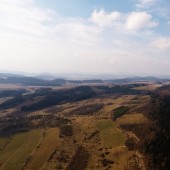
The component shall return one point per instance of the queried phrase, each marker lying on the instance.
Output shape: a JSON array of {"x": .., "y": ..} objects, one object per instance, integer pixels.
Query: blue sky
[
  {"x": 83, "y": 8},
  {"x": 85, "y": 36}
]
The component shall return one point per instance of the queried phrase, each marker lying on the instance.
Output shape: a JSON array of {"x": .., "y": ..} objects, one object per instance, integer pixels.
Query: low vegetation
[
  {"x": 79, "y": 160},
  {"x": 40, "y": 157},
  {"x": 87, "y": 109},
  {"x": 110, "y": 135},
  {"x": 119, "y": 111},
  {"x": 14, "y": 155}
]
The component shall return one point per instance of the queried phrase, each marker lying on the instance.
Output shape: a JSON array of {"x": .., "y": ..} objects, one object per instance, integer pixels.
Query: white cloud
[
  {"x": 22, "y": 15},
  {"x": 162, "y": 43},
  {"x": 145, "y": 3},
  {"x": 23, "y": 18},
  {"x": 77, "y": 31},
  {"x": 139, "y": 20},
  {"x": 103, "y": 19}
]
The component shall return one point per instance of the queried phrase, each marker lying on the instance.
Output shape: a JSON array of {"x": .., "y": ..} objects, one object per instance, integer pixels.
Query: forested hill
[
  {"x": 32, "y": 81},
  {"x": 46, "y": 97}
]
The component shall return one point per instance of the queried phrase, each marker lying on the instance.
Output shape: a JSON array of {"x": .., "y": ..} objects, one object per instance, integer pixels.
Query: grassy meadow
[{"x": 20, "y": 147}]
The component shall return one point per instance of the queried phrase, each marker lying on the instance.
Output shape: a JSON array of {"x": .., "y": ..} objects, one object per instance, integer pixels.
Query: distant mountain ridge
[
  {"x": 5, "y": 75},
  {"x": 32, "y": 81},
  {"x": 49, "y": 80},
  {"x": 136, "y": 78}
]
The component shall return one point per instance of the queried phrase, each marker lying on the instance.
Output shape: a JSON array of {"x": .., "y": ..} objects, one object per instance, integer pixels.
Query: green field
[
  {"x": 19, "y": 148},
  {"x": 3, "y": 142},
  {"x": 49, "y": 144},
  {"x": 110, "y": 135},
  {"x": 105, "y": 125},
  {"x": 113, "y": 139},
  {"x": 120, "y": 111}
]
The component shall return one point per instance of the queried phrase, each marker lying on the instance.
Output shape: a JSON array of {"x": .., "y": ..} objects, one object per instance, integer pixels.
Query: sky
[{"x": 85, "y": 36}]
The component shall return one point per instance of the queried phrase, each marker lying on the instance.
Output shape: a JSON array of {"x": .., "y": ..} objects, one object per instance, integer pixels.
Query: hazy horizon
[
  {"x": 82, "y": 76},
  {"x": 85, "y": 37}
]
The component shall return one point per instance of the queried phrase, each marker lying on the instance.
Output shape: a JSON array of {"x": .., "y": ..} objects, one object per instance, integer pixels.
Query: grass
[
  {"x": 19, "y": 148},
  {"x": 110, "y": 135},
  {"x": 120, "y": 111},
  {"x": 113, "y": 138},
  {"x": 80, "y": 160},
  {"x": 149, "y": 87},
  {"x": 105, "y": 125},
  {"x": 49, "y": 144},
  {"x": 3, "y": 141},
  {"x": 135, "y": 118}
]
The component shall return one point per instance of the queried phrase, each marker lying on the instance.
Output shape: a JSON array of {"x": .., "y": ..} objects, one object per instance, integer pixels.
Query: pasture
[
  {"x": 20, "y": 147},
  {"x": 40, "y": 157},
  {"x": 111, "y": 136}
]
